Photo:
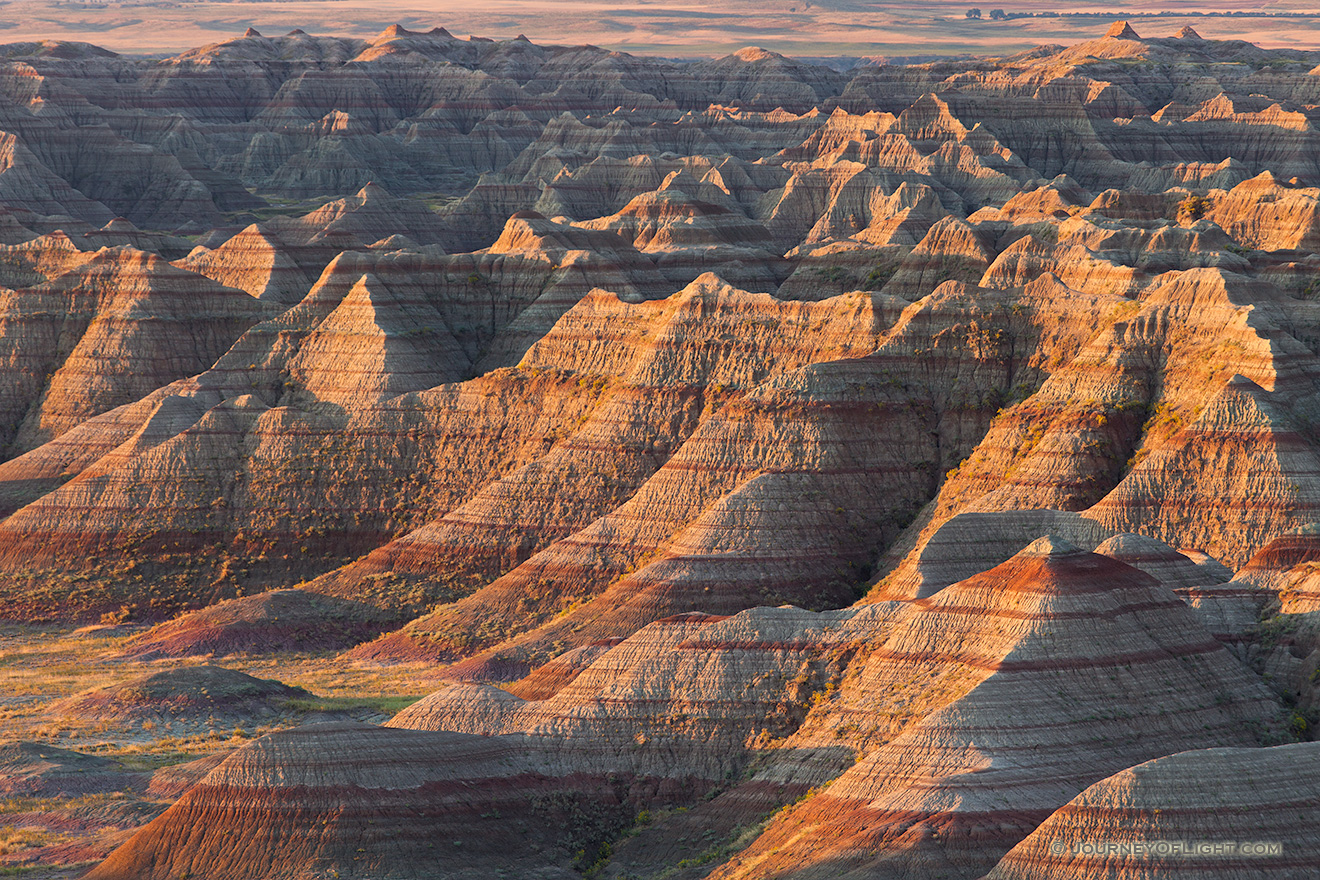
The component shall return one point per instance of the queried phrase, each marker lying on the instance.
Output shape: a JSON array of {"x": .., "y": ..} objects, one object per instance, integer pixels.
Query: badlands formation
[{"x": 907, "y": 472}]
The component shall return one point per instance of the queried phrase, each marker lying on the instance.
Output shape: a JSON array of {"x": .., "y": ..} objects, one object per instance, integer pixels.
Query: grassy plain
[{"x": 40, "y": 667}]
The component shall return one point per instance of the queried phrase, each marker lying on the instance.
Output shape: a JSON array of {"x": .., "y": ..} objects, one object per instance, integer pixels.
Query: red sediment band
[
  {"x": 1085, "y": 814},
  {"x": 1286, "y": 552},
  {"x": 993, "y": 665},
  {"x": 750, "y": 645},
  {"x": 40, "y": 546},
  {"x": 1219, "y": 593},
  {"x": 1200, "y": 503},
  {"x": 1011, "y": 614},
  {"x": 854, "y": 823},
  {"x": 693, "y": 617}
]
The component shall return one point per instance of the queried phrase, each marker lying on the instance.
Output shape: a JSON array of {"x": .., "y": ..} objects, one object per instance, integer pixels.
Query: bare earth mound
[
  {"x": 355, "y": 801},
  {"x": 190, "y": 695},
  {"x": 30, "y": 769}
]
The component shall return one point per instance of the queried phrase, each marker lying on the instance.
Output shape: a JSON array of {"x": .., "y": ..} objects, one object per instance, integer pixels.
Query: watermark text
[{"x": 1189, "y": 849}]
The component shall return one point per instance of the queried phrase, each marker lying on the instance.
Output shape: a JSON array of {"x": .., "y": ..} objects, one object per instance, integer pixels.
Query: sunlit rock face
[
  {"x": 787, "y": 471},
  {"x": 1213, "y": 795}
]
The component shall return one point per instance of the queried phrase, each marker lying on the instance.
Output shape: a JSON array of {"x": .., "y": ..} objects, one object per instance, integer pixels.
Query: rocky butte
[{"x": 426, "y": 457}]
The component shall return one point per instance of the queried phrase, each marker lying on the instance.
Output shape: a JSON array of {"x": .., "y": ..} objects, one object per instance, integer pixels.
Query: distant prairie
[{"x": 677, "y": 28}]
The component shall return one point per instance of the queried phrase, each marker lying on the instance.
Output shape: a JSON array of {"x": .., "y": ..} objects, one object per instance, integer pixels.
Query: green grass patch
[{"x": 386, "y": 705}]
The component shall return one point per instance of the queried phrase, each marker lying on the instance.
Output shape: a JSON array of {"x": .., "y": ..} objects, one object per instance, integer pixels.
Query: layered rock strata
[{"x": 1223, "y": 813}]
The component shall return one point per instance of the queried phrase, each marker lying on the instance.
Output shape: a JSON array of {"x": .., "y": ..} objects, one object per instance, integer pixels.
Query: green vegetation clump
[
  {"x": 879, "y": 276},
  {"x": 1194, "y": 208},
  {"x": 385, "y": 705}
]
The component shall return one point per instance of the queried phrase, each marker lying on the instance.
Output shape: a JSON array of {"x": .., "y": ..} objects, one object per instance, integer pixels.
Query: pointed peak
[
  {"x": 1121, "y": 30},
  {"x": 521, "y": 38},
  {"x": 439, "y": 32},
  {"x": 953, "y": 236},
  {"x": 705, "y": 284},
  {"x": 394, "y": 30},
  {"x": 296, "y": 32},
  {"x": 1242, "y": 406},
  {"x": 910, "y": 195},
  {"x": 1242, "y": 383},
  {"x": 675, "y": 180},
  {"x": 1188, "y": 33},
  {"x": 57, "y": 239},
  {"x": 1243, "y": 387},
  {"x": 251, "y": 32},
  {"x": 1221, "y": 106},
  {"x": 1265, "y": 178},
  {"x": 363, "y": 302},
  {"x": 367, "y": 288},
  {"x": 930, "y": 118},
  {"x": 930, "y": 99},
  {"x": 396, "y": 242},
  {"x": 372, "y": 190}
]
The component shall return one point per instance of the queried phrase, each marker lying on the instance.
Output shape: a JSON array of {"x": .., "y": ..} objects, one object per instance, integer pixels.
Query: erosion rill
[{"x": 429, "y": 457}]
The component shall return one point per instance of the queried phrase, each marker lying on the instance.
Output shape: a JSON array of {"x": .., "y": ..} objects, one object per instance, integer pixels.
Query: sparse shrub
[
  {"x": 879, "y": 276},
  {"x": 1194, "y": 208},
  {"x": 114, "y": 618},
  {"x": 1298, "y": 724}
]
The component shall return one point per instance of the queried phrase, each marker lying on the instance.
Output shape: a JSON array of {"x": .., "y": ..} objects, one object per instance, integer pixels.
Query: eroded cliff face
[{"x": 870, "y": 464}]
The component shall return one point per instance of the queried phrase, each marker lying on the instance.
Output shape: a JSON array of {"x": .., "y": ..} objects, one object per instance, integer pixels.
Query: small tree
[
  {"x": 998, "y": 15},
  {"x": 1194, "y": 208},
  {"x": 973, "y": 13}
]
